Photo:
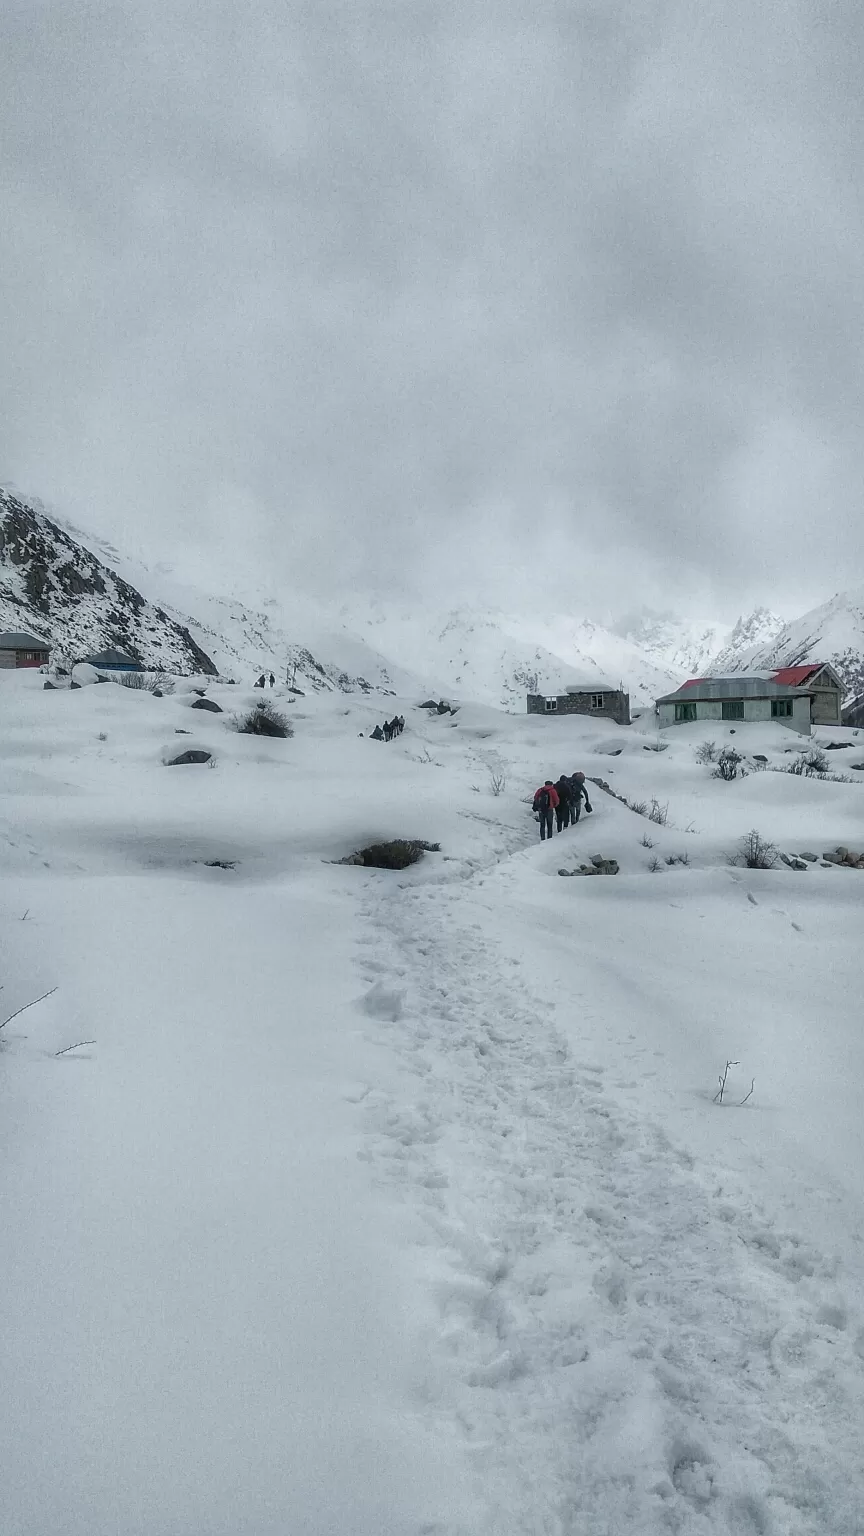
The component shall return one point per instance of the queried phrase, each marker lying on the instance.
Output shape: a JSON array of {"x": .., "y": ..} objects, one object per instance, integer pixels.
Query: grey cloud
[{"x": 560, "y": 298}]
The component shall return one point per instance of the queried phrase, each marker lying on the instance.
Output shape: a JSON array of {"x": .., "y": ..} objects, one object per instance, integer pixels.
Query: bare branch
[
  {"x": 36, "y": 1000},
  {"x": 74, "y": 1047},
  {"x": 747, "y": 1095},
  {"x": 718, "y": 1097}
]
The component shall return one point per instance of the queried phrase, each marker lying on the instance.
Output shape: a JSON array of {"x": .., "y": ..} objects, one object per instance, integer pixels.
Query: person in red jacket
[{"x": 546, "y": 802}]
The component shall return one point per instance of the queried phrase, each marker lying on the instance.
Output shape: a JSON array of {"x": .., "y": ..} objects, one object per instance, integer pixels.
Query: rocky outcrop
[{"x": 52, "y": 585}]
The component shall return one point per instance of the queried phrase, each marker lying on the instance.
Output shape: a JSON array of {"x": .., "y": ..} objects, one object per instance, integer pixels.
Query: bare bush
[
  {"x": 756, "y": 852},
  {"x": 679, "y": 858},
  {"x": 497, "y": 781},
  {"x": 646, "y": 841},
  {"x": 706, "y": 752},
  {"x": 639, "y": 806},
  {"x": 658, "y": 813},
  {"x": 810, "y": 765},
  {"x": 655, "y": 865},
  {"x": 263, "y": 720},
  {"x": 728, "y": 765},
  {"x": 147, "y": 682}
]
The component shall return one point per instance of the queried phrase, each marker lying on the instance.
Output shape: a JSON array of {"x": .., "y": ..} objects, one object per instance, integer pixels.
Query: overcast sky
[{"x": 550, "y": 300}]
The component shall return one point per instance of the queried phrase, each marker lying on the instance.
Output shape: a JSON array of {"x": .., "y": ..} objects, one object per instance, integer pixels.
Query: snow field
[{"x": 398, "y": 1203}]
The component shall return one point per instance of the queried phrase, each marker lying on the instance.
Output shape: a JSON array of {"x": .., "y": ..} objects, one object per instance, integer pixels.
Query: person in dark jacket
[
  {"x": 546, "y": 803},
  {"x": 564, "y": 808},
  {"x": 579, "y": 793}
]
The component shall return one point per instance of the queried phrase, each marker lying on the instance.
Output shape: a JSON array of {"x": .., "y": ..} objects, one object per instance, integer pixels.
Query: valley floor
[{"x": 398, "y": 1202}]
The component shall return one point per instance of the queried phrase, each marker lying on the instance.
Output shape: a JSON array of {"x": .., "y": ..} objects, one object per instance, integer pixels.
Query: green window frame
[
  {"x": 732, "y": 709},
  {"x": 685, "y": 712},
  {"x": 782, "y": 709}
]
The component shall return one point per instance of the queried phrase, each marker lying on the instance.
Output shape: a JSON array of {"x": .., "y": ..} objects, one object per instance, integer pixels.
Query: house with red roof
[{"x": 797, "y": 697}]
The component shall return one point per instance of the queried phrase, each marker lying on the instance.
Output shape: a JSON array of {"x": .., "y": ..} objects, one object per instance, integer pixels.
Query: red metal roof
[
  {"x": 691, "y": 682},
  {"x": 793, "y": 677}
]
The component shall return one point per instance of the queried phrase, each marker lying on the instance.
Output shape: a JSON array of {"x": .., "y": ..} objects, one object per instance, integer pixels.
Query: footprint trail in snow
[{"x": 628, "y": 1348}]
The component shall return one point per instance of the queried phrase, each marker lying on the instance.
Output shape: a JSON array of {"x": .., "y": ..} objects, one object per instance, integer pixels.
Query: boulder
[
  {"x": 158, "y": 694},
  {"x": 786, "y": 859},
  {"x": 759, "y": 757},
  {"x": 73, "y": 684},
  {"x": 797, "y": 864},
  {"x": 210, "y": 704},
  {"x": 191, "y": 755},
  {"x": 50, "y": 687},
  {"x": 832, "y": 858},
  {"x": 812, "y": 858}
]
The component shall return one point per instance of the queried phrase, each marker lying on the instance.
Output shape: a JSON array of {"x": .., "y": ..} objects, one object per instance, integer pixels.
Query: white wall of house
[{"x": 755, "y": 710}]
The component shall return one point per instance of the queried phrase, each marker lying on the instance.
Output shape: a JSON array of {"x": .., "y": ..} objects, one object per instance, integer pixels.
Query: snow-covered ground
[{"x": 398, "y": 1203}]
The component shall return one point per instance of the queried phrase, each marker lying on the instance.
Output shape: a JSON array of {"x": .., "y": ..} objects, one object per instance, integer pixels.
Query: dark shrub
[
  {"x": 264, "y": 720},
  {"x": 756, "y": 852},
  {"x": 397, "y": 854}
]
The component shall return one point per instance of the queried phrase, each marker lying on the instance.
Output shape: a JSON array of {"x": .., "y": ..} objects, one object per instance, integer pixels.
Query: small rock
[
  {"x": 842, "y": 853},
  {"x": 797, "y": 864},
  {"x": 812, "y": 858},
  {"x": 179, "y": 731},
  {"x": 832, "y": 858},
  {"x": 786, "y": 859},
  {"x": 192, "y": 755},
  {"x": 73, "y": 684},
  {"x": 758, "y": 757},
  {"x": 158, "y": 694},
  {"x": 49, "y": 686},
  {"x": 209, "y": 704}
]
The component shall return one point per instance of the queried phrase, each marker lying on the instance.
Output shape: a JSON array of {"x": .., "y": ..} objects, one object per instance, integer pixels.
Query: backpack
[{"x": 543, "y": 801}]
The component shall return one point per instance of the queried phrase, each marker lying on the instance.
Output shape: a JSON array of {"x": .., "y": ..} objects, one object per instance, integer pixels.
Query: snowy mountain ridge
[
  {"x": 688, "y": 649},
  {"x": 52, "y": 585},
  {"x": 833, "y": 632},
  {"x": 84, "y": 593}
]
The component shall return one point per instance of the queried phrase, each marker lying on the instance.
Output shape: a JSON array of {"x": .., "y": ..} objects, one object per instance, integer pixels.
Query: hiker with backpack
[
  {"x": 579, "y": 793},
  {"x": 546, "y": 803},
  {"x": 564, "y": 810}
]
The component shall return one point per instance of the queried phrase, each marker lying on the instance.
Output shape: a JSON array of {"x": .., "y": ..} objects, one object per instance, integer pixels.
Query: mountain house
[
  {"x": 18, "y": 649},
  {"x": 797, "y": 697},
  {"x": 113, "y": 661},
  {"x": 600, "y": 701}
]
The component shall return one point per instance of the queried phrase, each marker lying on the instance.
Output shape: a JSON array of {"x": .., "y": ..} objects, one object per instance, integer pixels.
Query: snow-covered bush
[
  {"x": 728, "y": 764},
  {"x": 756, "y": 852},
  {"x": 811, "y": 765},
  {"x": 658, "y": 812},
  {"x": 497, "y": 781},
  {"x": 263, "y": 720}
]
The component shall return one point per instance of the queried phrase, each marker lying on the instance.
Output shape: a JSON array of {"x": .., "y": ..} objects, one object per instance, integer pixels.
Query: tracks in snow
[{"x": 628, "y": 1350}]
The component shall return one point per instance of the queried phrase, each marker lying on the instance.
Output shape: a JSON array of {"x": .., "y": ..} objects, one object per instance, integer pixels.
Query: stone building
[{"x": 600, "y": 701}]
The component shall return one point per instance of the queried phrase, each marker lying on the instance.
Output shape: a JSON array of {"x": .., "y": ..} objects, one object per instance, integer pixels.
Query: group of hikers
[
  {"x": 389, "y": 729},
  {"x": 262, "y": 680},
  {"x": 563, "y": 800}
]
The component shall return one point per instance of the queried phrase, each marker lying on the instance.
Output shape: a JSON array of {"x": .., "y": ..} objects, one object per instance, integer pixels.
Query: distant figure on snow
[
  {"x": 545, "y": 803},
  {"x": 272, "y": 680},
  {"x": 579, "y": 793},
  {"x": 260, "y": 682}
]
